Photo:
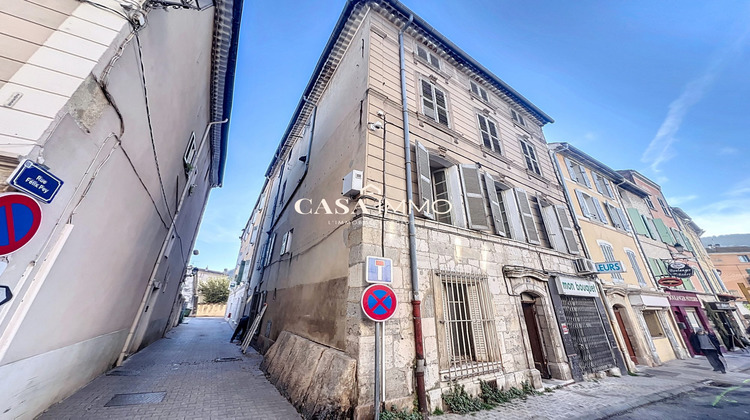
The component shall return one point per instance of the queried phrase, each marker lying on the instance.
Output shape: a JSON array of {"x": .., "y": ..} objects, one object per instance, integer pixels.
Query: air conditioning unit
[{"x": 584, "y": 266}]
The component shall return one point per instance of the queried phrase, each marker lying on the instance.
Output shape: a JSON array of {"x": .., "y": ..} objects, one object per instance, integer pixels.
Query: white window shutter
[
  {"x": 552, "y": 226},
  {"x": 624, "y": 219},
  {"x": 424, "y": 182},
  {"x": 532, "y": 235},
  {"x": 582, "y": 202},
  {"x": 567, "y": 229},
  {"x": 497, "y": 213},
  {"x": 473, "y": 198},
  {"x": 514, "y": 216},
  {"x": 455, "y": 196},
  {"x": 571, "y": 170},
  {"x": 599, "y": 211}
]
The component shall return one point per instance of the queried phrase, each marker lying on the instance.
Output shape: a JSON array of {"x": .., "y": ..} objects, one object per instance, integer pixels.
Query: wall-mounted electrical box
[{"x": 352, "y": 184}]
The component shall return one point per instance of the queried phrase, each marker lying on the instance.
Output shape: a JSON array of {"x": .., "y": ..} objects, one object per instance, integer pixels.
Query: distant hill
[{"x": 737, "y": 239}]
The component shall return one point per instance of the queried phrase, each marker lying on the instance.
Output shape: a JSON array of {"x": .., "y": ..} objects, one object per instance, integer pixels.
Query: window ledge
[
  {"x": 473, "y": 95},
  {"x": 440, "y": 71},
  {"x": 537, "y": 176},
  {"x": 497, "y": 155},
  {"x": 442, "y": 127}
]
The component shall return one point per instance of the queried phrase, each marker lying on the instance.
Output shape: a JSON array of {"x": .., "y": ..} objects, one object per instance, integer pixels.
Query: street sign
[
  {"x": 608, "y": 267},
  {"x": 379, "y": 302},
  {"x": 20, "y": 218},
  {"x": 36, "y": 181},
  {"x": 379, "y": 270},
  {"x": 5, "y": 294},
  {"x": 670, "y": 281},
  {"x": 678, "y": 269}
]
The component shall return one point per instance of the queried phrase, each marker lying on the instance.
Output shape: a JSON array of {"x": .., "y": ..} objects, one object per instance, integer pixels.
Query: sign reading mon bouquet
[{"x": 576, "y": 287}]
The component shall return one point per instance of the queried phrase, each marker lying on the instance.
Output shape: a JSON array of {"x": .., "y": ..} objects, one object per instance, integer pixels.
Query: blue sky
[{"x": 659, "y": 87}]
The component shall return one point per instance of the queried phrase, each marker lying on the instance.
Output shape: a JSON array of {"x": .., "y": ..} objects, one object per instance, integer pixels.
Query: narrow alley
[{"x": 185, "y": 378}]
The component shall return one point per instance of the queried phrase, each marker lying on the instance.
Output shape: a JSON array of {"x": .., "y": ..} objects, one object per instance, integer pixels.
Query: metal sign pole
[{"x": 377, "y": 370}]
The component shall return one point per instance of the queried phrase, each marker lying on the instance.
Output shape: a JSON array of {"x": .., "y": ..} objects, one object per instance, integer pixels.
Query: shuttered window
[
  {"x": 602, "y": 185},
  {"x": 508, "y": 198},
  {"x": 442, "y": 199},
  {"x": 428, "y": 56},
  {"x": 609, "y": 256},
  {"x": 488, "y": 131},
  {"x": 269, "y": 249},
  {"x": 636, "y": 268},
  {"x": 497, "y": 207},
  {"x": 552, "y": 227},
  {"x": 591, "y": 207},
  {"x": 434, "y": 103},
  {"x": 424, "y": 181},
  {"x": 527, "y": 218},
  {"x": 577, "y": 172},
  {"x": 663, "y": 231},
  {"x": 254, "y": 235},
  {"x": 638, "y": 223},
  {"x": 567, "y": 229},
  {"x": 530, "y": 155},
  {"x": 651, "y": 228},
  {"x": 473, "y": 198},
  {"x": 614, "y": 216},
  {"x": 479, "y": 91}
]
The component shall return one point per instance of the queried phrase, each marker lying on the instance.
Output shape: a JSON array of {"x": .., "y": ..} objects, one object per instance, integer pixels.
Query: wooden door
[
  {"x": 621, "y": 323},
  {"x": 529, "y": 315}
]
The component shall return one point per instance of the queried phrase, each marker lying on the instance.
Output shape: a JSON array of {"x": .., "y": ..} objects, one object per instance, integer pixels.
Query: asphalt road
[{"x": 717, "y": 400}]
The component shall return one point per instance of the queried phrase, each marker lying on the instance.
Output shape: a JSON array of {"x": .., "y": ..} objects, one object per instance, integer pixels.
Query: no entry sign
[
  {"x": 20, "y": 217},
  {"x": 379, "y": 302}
]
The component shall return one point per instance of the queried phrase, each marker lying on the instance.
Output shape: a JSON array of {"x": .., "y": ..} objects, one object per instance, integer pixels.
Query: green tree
[{"x": 215, "y": 290}]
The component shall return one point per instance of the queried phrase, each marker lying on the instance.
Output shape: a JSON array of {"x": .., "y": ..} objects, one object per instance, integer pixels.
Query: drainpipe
[
  {"x": 416, "y": 303},
  {"x": 603, "y": 296},
  {"x": 172, "y": 227}
]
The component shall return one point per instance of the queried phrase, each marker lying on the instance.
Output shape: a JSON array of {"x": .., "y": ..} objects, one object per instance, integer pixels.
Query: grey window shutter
[
  {"x": 552, "y": 226},
  {"x": 567, "y": 229},
  {"x": 497, "y": 213},
  {"x": 441, "y": 106},
  {"x": 514, "y": 216},
  {"x": 473, "y": 198},
  {"x": 614, "y": 216},
  {"x": 598, "y": 182},
  {"x": 477, "y": 324},
  {"x": 424, "y": 182},
  {"x": 584, "y": 206},
  {"x": 687, "y": 244},
  {"x": 608, "y": 187},
  {"x": 623, "y": 219},
  {"x": 582, "y": 175},
  {"x": 638, "y": 223},
  {"x": 527, "y": 218},
  {"x": 599, "y": 210},
  {"x": 571, "y": 170},
  {"x": 428, "y": 101}
]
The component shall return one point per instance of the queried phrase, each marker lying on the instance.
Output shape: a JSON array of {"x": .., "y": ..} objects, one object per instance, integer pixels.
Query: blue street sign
[
  {"x": 379, "y": 270},
  {"x": 35, "y": 181}
]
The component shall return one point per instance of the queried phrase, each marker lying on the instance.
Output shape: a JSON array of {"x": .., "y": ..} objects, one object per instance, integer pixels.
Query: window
[
  {"x": 434, "y": 105},
  {"x": 577, "y": 172},
  {"x": 286, "y": 243},
  {"x": 651, "y": 227},
  {"x": 653, "y": 324},
  {"x": 479, "y": 91},
  {"x": 254, "y": 235},
  {"x": 602, "y": 185},
  {"x": 441, "y": 197},
  {"x": 650, "y": 203},
  {"x": 530, "y": 155},
  {"x": 471, "y": 339},
  {"x": 663, "y": 231},
  {"x": 664, "y": 207},
  {"x": 744, "y": 258},
  {"x": 428, "y": 57},
  {"x": 609, "y": 256},
  {"x": 590, "y": 207},
  {"x": 618, "y": 218},
  {"x": 269, "y": 249},
  {"x": 517, "y": 117},
  {"x": 636, "y": 268},
  {"x": 488, "y": 131}
]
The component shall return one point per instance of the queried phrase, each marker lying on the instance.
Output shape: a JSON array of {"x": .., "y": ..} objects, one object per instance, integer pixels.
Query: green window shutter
[
  {"x": 663, "y": 230},
  {"x": 637, "y": 221}
]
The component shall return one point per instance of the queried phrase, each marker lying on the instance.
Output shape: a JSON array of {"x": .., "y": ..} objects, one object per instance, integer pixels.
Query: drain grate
[
  {"x": 123, "y": 372},
  {"x": 136, "y": 399},
  {"x": 227, "y": 359}
]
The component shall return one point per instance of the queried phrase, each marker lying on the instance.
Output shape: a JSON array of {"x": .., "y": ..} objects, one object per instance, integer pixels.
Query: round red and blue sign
[
  {"x": 379, "y": 302},
  {"x": 20, "y": 218}
]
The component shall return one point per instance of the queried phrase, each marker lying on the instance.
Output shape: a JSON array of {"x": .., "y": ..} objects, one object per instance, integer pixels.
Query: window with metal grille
[
  {"x": 488, "y": 131},
  {"x": 434, "y": 104},
  {"x": 609, "y": 255},
  {"x": 636, "y": 267},
  {"x": 530, "y": 155},
  {"x": 470, "y": 331}
]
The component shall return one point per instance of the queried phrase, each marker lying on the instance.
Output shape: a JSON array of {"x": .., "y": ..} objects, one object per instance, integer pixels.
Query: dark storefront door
[
  {"x": 529, "y": 315},
  {"x": 625, "y": 336},
  {"x": 587, "y": 333}
]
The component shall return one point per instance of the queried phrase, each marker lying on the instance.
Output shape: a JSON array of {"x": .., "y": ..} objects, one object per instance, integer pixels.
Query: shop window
[{"x": 653, "y": 324}]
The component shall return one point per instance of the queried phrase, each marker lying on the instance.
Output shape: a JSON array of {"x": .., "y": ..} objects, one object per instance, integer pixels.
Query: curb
[{"x": 650, "y": 399}]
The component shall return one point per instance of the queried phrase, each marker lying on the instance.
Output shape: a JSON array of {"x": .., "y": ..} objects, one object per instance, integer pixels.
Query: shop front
[
  {"x": 688, "y": 313},
  {"x": 654, "y": 314},
  {"x": 728, "y": 329}
]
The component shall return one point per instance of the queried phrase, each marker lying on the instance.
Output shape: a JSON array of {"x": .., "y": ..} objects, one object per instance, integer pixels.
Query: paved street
[
  {"x": 196, "y": 386},
  {"x": 617, "y": 396}
]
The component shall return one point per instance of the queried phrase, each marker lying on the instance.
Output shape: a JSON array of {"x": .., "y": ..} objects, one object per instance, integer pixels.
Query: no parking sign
[
  {"x": 379, "y": 302},
  {"x": 20, "y": 218}
]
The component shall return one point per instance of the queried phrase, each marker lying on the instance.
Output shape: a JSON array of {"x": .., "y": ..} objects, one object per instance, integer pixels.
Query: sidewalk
[
  {"x": 610, "y": 396},
  {"x": 184, "y": 366}
]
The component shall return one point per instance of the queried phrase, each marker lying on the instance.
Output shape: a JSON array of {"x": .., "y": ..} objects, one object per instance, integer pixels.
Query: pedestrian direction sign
[
  {"x": 379, "y": 270},
  {"x": 20, "y": 218},
  {"x": 379, "y": 302}
]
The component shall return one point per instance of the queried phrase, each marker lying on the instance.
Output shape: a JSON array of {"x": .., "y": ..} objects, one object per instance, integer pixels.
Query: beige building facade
[{"x": 89, "y": 93}]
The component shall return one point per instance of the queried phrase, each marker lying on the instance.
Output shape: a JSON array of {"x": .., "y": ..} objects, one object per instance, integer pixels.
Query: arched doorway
[
  {"x": 619, "y": 310},
  {"x": 531, "y": 307}
]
